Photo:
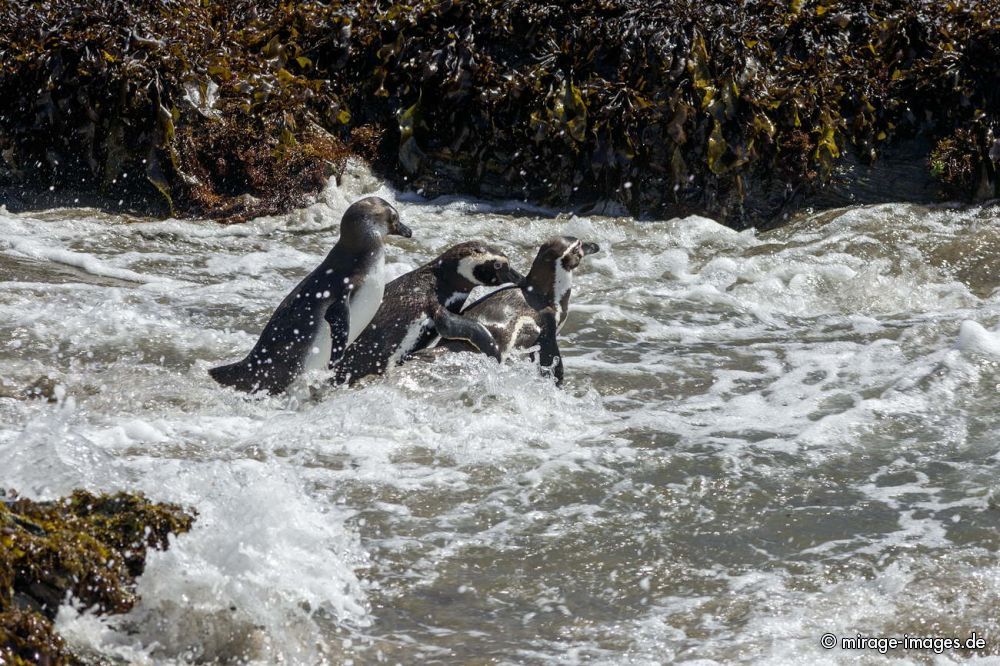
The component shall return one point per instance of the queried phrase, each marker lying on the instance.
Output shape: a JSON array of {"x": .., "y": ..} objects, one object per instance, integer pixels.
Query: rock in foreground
[{"x": 92, "y": 547}]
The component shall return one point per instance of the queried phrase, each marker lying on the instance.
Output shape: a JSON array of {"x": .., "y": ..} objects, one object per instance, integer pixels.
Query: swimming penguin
[
  {"x": 423, "y": 305},
  {"x": 530, "y": 314},
  {"x": 327, "y": 310}
]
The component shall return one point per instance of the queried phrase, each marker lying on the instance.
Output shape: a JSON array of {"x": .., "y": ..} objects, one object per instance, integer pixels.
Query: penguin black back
[{"x": 313, "y": 325}]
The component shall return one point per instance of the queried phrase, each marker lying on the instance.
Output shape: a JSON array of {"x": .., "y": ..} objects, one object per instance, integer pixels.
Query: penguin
[
  {"x": 327, "y": 311},
  {"x": 527, "y": 316},
  {"x": 423, "y": 305}
]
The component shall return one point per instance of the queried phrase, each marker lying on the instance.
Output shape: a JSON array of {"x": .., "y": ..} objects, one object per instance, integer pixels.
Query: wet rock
[
  {"x": 746, "y": 113},
  {"x": 27, "y": 637},
  {"x": 92, "y": 547},
  {"x": 42, "y": 388},
  {"x": 186, "y": 108}
]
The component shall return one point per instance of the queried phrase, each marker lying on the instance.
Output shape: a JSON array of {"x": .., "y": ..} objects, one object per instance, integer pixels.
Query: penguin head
[
  {"x": 372, "y": 216},
  {"x": 471, "y": 264},
  {"x": 565, "y": 252},
  {"x": 554, "y": 264}
]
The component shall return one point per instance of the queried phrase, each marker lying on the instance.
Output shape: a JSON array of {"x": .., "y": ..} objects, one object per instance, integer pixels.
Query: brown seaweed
[
  {"x": 740, "y": 110},
  {"x": 90, "y": 548}
]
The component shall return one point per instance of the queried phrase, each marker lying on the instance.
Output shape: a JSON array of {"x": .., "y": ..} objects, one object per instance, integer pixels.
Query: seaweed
[
  {"x": 740, "y": 110},
  {"x": 91, "y": 547},
  {"x": 170, "y": 108}
]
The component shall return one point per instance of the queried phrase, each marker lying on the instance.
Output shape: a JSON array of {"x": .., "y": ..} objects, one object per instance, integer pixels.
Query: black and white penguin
[
  {"x": 530, "y": 314},
  {"x": 324, "y": 314},
  {"x": 423, "y": 305}
]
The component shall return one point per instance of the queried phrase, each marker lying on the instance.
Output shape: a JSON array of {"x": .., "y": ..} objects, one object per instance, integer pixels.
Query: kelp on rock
[
  {"x": 86, "y": 547},
  {"x": 743, "y": 111}
]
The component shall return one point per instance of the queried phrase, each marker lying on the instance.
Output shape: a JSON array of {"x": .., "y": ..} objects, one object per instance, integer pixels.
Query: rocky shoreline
[
  {"x": 231, "y": 110},
  {"x": 90, "y": 548}
]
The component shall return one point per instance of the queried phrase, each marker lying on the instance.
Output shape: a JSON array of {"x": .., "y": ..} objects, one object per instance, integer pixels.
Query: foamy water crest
[{"x": 762, "y": 438}]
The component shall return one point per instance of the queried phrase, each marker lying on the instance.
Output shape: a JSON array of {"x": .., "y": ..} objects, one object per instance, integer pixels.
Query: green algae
[{"x": 87, "y": 547}]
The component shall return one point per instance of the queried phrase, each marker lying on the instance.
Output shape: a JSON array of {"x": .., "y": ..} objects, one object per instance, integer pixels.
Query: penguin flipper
[
  {"x": 451, "y": 326},
  {"x": 549, "y": 357},
  {"x": 338, "y": 316}
]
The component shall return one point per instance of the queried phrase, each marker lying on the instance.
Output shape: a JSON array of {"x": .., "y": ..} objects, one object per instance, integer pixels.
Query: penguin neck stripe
[{"x": 572, "y": 247}]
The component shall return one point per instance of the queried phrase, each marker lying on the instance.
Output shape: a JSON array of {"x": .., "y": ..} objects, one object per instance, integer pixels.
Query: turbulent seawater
[{"x": 762, "y": 438}]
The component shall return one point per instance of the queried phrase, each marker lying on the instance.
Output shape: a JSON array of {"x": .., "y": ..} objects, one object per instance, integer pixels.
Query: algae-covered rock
[
  {"x": 744, "y": 111},
  {"x": 90, "y": 547},
  {"x": 28, "y": 638},
  {"x": 180, "y": 107}
]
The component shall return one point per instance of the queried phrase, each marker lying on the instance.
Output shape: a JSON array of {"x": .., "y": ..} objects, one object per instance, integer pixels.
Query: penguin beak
[
  {"x": 400, "y": 229},
  {"x": 511, "y": 275},
  {"x": 590, "y": 248}
]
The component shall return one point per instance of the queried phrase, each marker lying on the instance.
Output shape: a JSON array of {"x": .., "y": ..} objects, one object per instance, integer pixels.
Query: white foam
[
  {"x": 762, "y": 436},
  {"x": 973, "y": 338}
]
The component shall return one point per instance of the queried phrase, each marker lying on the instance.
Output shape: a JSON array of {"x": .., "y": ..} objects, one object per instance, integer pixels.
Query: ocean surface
[{"x": 762, "y": 438}]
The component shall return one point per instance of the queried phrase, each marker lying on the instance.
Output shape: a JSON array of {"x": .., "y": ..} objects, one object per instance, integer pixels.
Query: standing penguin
[
  {"x": 530, "y": 314},
  {"x": 422, "y": 305},
  {"x": 317, "y": 321}
]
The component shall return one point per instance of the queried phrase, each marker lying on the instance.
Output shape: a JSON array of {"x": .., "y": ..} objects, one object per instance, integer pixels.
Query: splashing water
[{"x": 762, "y": 438}]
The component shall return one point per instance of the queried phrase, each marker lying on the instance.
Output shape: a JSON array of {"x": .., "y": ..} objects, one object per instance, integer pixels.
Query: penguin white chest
[
  {"x": 367, "y": 297},
  {"x": 563, "y": 283},
  {"x": 318, "y": 357}
]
